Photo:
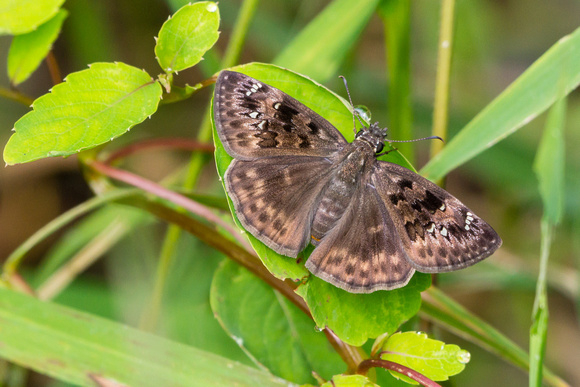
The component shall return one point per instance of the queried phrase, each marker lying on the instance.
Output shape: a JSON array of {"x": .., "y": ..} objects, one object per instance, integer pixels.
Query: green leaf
[
  {"x": 91, "y": 108},
  {"x": 76, "y": 347},
  {"x": 187, "y": 35},
  {"x": 349, "y": 381},
  {"x": 357, "y": 317},
  {"x": 321, "y": 100},
  {"x": 552, "y": 76},
  {"x": 432, "y": 358},
  {"x": 549, "y": 167},
  {"x": 550, "y": 162},
  {"x": 273, "y": 331},
  {"x": 22, "y": 16},
  {"x": 320, "y": 48},
  {"x": 28, "y": 50}
]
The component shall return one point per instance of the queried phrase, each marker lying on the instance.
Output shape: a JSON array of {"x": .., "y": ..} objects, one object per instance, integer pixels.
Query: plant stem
[
  {"x": 441, "y": 103},
  {"x": 365, "y": 365},
  {"x": 397, "y": 20},
  {"x": 196, "y": 163},
  {"x": 12, "y": 262}
]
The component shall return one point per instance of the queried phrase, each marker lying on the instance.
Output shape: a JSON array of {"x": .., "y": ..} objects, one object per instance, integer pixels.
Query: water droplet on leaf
[
  {"x": 463, "y": 356},
  {"x": 363, "y": 112}
]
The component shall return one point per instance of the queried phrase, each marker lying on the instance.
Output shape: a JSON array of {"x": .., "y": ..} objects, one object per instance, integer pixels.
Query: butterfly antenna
[
  {"x": 420, "y": 139},
  {"x": 354, "y": 112}
]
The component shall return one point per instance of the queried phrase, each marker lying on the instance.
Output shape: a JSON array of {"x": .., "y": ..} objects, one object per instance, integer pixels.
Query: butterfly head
[{"x": 374, "y": 135}]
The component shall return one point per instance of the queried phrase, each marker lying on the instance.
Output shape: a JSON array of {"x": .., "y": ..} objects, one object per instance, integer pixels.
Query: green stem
[
  {"x": 441, "y": 310},
  {"x": 197, "y": 161},
  {"x": 539, "y": 328},
  {"x": 11, "y": 264},
  {"x": 441, "y": 103},
  {"x": 16, "y": 96},
  {"x": 397, "y": 22}
]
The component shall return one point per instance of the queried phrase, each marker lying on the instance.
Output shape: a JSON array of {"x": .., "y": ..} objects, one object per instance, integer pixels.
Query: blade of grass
[
  {"x": 529, "y": 95},
  {"x": 396, "y": 17},
  {"x": 321, "y": 46},
  {"x": 549, "y": 168},
  {"x": 443, "y": 311},
  {"x": 12, "y": 262},
  {"x": 77, "y": 347}
]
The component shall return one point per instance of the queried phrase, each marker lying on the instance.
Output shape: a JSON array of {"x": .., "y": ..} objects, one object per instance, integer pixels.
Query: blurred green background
[{"x": 495, "y": 41}]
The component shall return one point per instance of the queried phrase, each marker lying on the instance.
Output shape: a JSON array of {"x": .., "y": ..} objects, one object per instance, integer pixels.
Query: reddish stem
[
  {"x": 162, "y": 192},
  {"x": 181, "y": 143},
  {"x": 53, "y": 69},
  {"x": 367, "y": 364}
]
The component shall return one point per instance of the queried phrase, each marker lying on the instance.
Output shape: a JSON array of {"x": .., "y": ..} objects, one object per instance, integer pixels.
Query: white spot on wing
[{"x": 443, "y": 231}]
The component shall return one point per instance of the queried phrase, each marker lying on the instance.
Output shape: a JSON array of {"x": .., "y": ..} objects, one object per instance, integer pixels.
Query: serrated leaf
[
  {"x": 320, "y": 48},
  {"x": 323, "y": 101},
  {"x": 357, "y": 317},
  {"x": 77, "y": 347},
  {"x": 92, "y": 107},
  {"x": 432, "y": 358},
  {"x": 187, "y": 35},
  {"x": 273, "y": 331},
  {"x": 349, "y": 381},
  {"x": 555, "y": 74},
  {"x": 28, "y": 50},
  {"x": 22, "y": 16}
]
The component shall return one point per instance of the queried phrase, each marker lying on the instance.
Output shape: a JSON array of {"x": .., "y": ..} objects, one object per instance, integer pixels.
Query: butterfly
[{"x": 295, "y": 180}]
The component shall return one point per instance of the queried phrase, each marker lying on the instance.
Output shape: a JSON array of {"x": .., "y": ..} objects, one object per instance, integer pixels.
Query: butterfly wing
[
  {"x": 257, "y": 120},
  {"x": 275, "y": 198},
  {"x": 362, "y": 253},
  {"x": 438, "y": 232}
]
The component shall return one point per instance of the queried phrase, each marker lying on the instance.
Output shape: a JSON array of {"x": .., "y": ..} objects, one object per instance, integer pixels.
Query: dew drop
[
  {"x": 211, "y": 7},
  {"x": 463, "y": 356},
  {"x": 363, "y": 112},
  {"x": 238, "y": 340},
  {"x": 318, "y": 329}
]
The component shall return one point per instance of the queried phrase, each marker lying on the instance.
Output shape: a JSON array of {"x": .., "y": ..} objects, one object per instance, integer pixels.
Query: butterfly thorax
[{"x": 337, "y": 195}]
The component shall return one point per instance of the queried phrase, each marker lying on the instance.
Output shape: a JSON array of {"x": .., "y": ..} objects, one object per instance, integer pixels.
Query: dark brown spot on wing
[{"x": 404, "y": 183}]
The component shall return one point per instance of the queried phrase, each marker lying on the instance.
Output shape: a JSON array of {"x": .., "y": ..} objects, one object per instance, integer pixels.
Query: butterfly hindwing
[
  {"x": 271, "y": 204},
  {"x": 438, "y": 232},
  {"x": 362, "y": 253},
  {"x": 257, "y": 120}
]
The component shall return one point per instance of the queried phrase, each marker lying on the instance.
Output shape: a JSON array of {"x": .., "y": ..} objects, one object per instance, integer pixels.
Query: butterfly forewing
[
  {"x": 362, "y": 253},
  {"x": 256, "y": 120},
  {"x": 438, "y": 232}
]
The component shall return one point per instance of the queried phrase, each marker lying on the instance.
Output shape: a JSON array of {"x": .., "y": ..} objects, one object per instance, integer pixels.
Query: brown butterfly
[{"x": 295, "y": 180}]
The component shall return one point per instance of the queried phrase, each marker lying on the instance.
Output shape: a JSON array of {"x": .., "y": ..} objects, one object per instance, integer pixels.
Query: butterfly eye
[{"x": 380, "y": 147}]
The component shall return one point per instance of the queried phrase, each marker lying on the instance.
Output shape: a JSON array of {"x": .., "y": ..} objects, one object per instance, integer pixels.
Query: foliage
[{"x": 290, "y": 327}]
